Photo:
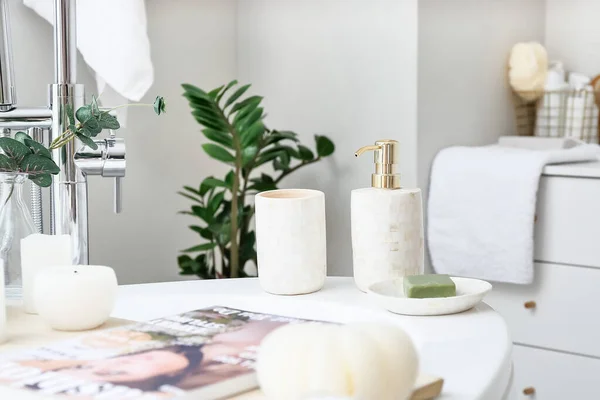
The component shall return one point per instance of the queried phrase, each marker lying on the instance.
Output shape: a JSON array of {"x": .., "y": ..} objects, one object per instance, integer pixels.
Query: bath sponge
[
  {"x": 359, "y": 361},
  {"x": 528, "y": 68}
]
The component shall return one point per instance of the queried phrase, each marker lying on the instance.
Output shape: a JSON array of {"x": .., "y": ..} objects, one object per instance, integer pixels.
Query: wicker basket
[{"x": 561, "y": 113}]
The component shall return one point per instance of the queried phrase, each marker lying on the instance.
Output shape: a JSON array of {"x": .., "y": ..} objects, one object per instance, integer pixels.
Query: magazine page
[{"x": 160, "y": 359}]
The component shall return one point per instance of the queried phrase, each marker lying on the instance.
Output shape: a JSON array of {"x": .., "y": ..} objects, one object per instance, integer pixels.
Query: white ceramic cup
[
  {"x": 75, "y": 297},
  {"x": 291, "y": 241}
]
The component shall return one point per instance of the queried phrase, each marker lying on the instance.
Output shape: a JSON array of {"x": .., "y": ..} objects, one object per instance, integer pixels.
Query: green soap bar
[{"x": 428, "y": 286}]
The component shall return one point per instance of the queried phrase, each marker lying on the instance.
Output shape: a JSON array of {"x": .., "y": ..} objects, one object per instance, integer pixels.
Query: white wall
[
  {"x": 192, "y": 41},
  {"x": 463, "y": 98},
  {"x": 345, "y": 68},
  {"x": 573, "y": 34}
]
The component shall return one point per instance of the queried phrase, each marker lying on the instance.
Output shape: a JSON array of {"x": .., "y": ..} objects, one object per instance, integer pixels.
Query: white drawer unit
[
  {"x": 550, "y": 375},
  {"x": 568, "y": 219},
  {"x": 555, "y": 322},
  {"x": 561, "y": 310}
]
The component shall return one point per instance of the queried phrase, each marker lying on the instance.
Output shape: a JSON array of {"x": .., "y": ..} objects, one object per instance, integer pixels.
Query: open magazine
[{"x": 208, "y": 353}]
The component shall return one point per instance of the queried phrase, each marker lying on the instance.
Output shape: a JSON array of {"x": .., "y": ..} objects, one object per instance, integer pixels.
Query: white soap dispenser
[{"x": 387, "y": 222}]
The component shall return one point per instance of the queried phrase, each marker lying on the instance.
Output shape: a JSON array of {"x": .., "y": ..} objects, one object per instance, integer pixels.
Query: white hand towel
[
  {"x": 481, "y": 210},
  {"x": 112, "y": 38}
]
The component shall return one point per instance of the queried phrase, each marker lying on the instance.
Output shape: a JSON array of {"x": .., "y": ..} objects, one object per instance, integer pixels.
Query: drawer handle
[
  {"x": 530, "y": 305},
  {"x": 529, "y": 391}
]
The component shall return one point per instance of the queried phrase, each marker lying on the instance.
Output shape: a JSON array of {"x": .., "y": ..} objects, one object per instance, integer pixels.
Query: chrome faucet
[{"x": 68, "y": 193}]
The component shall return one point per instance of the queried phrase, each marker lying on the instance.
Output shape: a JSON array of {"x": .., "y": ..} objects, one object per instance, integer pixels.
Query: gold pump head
[{"x": 386, "y": 162}]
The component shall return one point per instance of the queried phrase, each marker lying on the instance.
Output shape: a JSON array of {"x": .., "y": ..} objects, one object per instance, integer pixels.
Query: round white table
[{"x": 470, "y": 350}]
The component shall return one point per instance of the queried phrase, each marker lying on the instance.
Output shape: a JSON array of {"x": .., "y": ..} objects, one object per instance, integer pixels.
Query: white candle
[
  {"x": 75, "y": 298},
  {"x": 38, "y": 252}
]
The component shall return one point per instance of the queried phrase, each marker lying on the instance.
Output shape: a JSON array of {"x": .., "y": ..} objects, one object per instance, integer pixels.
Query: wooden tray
[{"x": 27, "y": 331}]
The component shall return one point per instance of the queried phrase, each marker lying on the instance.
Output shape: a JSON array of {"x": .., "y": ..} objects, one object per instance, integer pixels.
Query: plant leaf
[
  {"x": 38, "y": 148},
  {"x": 247, "y": 102},
  {"x": 229, "y": 86},
  {"x": 305, "y": 153},
  {"x": 35, "y": 165},
  {"x": 84, "y": 113},
  {"x": 236, "y": 95},
  {"x": 21, "y": 136},
  {"x": 195, "y": 91},
  {"x": 248, "y": 154},
  {"x": 246, "y": 122},
  {"x": 42, "y": 180},
  {"x": 276, "y": 136},
  {"x": 208, "y": 121},
  {"x": 215, "y": 92},
  {"x": 14, "y": 149},
  {"x": 219, "y": 137},
  {"x": 254, "y": 132},
  {"x": 192, "y": 190},
  {"x": 94, "y": 106},
  {"x": 204, "y": 232},
  {"x": 215, "y": 202},
  {"x": 325, "y": 147},
  {"x": 159, "y": 105},
  {"x": 229, "y": 179},
  {"x": 70, "y": 116},
  {"x": 189, "y": 196},
  {"x": 7, "y": 164},
  {"x": 200, "y": 212},
  {"x": 200, "y": 247},
  {"x": 212, "y": 182},
  {"x": 107, "y": 121},
  {"x": 87, "y": 141},
  {"x": 218, "y": 153}
]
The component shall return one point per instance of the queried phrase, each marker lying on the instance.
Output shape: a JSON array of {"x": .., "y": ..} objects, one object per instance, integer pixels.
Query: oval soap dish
[{"x": 390, "y": 295}]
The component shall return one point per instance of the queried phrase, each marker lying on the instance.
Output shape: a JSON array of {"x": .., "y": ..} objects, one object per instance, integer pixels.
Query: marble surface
[{"x": 470, "y": 350}]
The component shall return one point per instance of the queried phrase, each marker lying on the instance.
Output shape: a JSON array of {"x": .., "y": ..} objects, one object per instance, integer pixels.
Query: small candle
[
  {"x": 38, "y": 252},
  {"x": 75, "y": 298}
]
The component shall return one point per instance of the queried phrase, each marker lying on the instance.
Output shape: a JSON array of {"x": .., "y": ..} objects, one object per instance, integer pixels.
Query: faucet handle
[
  {"x": 114, "y": 166},
  {"x": 118, "y": 201}
]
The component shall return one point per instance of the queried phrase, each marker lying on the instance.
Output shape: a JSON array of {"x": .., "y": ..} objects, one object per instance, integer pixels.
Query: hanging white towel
[
  {"x": 112, "y": 38},
  {"x": 481, "y": 210}
]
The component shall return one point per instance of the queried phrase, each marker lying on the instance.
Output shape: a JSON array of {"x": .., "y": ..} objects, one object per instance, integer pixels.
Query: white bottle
[{"x": 387, "y": 222}]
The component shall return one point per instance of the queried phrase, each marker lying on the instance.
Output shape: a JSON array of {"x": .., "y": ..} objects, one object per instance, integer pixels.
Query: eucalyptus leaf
[
  {"x": 159, "y": 105},
  {"x": 236, "y": 95},
  {"x": 84, "y": 113},
  {"x": 87, "y": 141},
  {"x": 200, "y": 247},
  {"x": 325, "y": 146},
  {"x": 90, "y": 128},
  {"x": 35, "y": 165},
  {"x": 219, "y": 137},
  {"x": 7, "y": 164},
  {"x": 305, "y": 153},
  {"x": 38, "y": 148},
  {"x": 42, "y": 180},
  {"x": 94, "y": 106},
  {"x": 218, "y": 153},
  {"x": 14, "y": 149},
  {"x": 21, "y": 136},
  {"x": 70, "y": 116},
  {"x": 107, "y": 121}
]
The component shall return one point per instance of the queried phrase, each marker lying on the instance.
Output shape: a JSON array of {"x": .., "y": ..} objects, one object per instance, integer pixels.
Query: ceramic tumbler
[{"x": 291, "y": 241}]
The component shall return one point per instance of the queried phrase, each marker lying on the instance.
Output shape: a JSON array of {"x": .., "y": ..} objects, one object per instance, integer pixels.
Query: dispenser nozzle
[{"x": 386, "y": 160}]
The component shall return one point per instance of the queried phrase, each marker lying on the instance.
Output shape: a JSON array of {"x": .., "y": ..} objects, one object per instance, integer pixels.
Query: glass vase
[{"x": 16, "y": 223}]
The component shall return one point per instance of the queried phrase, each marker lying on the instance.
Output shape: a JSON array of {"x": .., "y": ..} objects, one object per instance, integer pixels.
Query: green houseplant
[{"x": 238, "y": 137}]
